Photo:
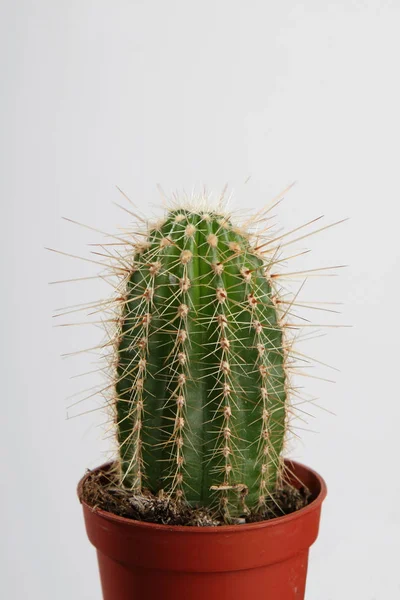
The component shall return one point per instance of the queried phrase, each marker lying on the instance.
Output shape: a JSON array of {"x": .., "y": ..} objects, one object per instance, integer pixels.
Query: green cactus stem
[{"x": 201, "y": 391}]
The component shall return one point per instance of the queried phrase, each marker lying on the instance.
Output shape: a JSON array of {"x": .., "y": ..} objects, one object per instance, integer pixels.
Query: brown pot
[{"x": 265, "y": 560}]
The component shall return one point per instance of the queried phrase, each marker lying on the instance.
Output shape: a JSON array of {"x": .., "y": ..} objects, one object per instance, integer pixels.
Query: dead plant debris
[{"x": 100, "y": 491}]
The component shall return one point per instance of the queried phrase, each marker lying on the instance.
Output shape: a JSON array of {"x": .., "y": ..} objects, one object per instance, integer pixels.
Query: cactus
[{"x": 201, "y": 400}]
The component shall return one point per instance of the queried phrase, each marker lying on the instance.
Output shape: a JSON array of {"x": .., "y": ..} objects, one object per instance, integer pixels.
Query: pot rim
[{"x": 298, "y": 514}]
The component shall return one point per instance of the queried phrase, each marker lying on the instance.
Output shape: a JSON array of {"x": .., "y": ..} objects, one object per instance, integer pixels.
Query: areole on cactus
[{"x": 201, "y": 395}]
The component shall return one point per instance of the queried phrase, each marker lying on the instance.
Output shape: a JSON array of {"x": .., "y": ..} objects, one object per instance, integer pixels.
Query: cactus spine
[{"x": 201, "y": 391}]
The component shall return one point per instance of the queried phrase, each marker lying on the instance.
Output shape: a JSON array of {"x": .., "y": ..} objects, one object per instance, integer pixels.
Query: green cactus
[{"x": 201, "y": 390}]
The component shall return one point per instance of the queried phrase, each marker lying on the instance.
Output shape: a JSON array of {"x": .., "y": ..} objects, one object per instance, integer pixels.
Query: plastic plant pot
[{"x": 266, "y": 560}]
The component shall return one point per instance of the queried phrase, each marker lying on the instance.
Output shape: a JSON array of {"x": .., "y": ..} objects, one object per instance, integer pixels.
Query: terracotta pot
[{"x": 266, "y": 560}]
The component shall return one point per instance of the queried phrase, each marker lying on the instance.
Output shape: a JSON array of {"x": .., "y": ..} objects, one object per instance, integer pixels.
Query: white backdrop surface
[{"x": 184, "y": 93}]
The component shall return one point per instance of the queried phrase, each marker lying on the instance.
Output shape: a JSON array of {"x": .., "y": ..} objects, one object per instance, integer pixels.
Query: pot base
[{"x": 280, "y": 581}]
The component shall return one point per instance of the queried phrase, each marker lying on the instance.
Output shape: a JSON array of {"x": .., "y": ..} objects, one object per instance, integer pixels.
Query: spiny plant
[
  {"x": 202, "y": 358},
  {"x": 201, "y": 392}
]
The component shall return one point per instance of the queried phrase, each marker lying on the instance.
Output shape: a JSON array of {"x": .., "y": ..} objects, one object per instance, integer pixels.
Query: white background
[{"x": 134, "y": 93}]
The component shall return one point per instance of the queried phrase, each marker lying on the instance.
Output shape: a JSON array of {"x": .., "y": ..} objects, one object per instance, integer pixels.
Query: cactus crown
[{"x": 201, "y": 401}]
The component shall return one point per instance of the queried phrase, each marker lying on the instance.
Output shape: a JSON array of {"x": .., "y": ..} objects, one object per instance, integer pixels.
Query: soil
[{"x": 101, "y": 491}]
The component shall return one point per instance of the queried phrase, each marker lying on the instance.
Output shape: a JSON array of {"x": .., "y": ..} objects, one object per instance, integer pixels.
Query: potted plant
[{"x": 199, "y": 502}]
